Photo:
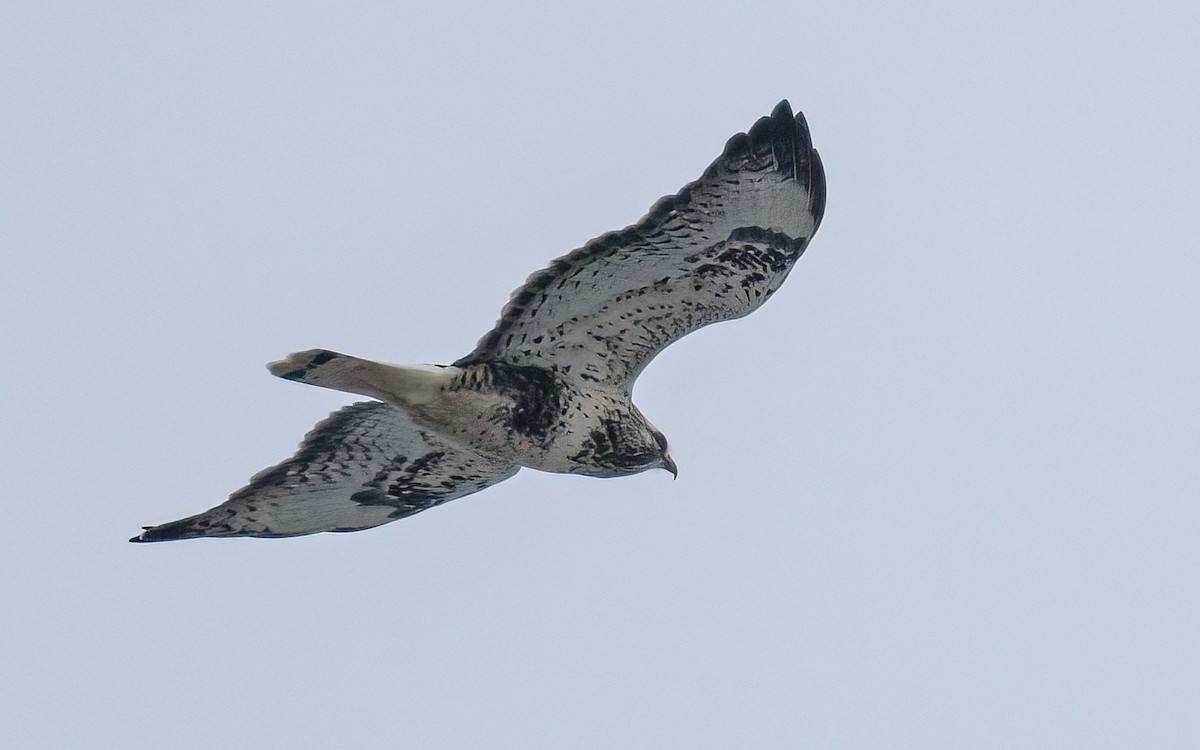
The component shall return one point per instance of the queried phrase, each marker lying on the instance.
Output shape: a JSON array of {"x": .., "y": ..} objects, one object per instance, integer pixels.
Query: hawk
[{"x": 550, "y": 386}]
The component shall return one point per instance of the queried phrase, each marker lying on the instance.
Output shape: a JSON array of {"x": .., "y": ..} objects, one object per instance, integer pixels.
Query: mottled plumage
[{"x": 549, "y": 387}]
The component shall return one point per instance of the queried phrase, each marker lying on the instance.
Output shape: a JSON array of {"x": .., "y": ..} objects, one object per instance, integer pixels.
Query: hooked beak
[{"x": 670, "y": 466}]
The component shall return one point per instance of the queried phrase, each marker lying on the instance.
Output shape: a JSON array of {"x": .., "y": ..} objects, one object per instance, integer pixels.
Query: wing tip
[
  {"x": 782, "y": 140},
  {"x": 791, "y": 136},
  {"x": 168, "y": 532}
]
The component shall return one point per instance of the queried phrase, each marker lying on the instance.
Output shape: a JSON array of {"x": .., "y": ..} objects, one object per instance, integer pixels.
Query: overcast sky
[{"x": 940, "y": 492}]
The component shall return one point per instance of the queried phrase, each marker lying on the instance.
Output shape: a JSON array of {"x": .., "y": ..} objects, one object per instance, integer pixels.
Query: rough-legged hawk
[{"x": 549, "y": 386}]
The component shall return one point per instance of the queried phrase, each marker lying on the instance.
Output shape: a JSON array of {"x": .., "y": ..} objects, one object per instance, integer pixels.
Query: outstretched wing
[
  {"x": 715, "y": 251},
  {"x": 363, "y": 466}
]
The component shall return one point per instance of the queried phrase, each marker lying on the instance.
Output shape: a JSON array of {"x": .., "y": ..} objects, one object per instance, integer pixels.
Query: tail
[{"x": 403, "y": 385}]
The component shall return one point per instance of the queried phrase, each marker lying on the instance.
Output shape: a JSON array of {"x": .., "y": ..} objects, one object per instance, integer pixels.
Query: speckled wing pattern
[
  {"x": 715, "y": 251},
  {"x": 364, "y": 465}
]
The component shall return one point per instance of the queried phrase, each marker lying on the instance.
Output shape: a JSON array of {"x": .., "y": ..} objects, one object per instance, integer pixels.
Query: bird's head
[
  {"x": 648, "y": 449},
  {"x": 627, "y": 444},
  {"x": 664, "y": 458}
]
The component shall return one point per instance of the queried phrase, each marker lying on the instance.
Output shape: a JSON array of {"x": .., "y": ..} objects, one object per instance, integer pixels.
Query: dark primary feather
[
  {"x": 364, "y": 465},
  {"x": 715, "y": 251}
]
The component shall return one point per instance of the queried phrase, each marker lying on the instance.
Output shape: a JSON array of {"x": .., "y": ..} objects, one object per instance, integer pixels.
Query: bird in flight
[{"x": 550, "y": 386}]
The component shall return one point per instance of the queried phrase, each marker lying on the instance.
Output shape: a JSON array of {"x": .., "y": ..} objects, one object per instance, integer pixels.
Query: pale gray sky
[{"x": 940, "y": 492}]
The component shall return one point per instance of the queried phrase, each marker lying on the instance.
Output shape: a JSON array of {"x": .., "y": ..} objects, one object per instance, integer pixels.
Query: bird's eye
[{"x": 661, "y": 439}]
